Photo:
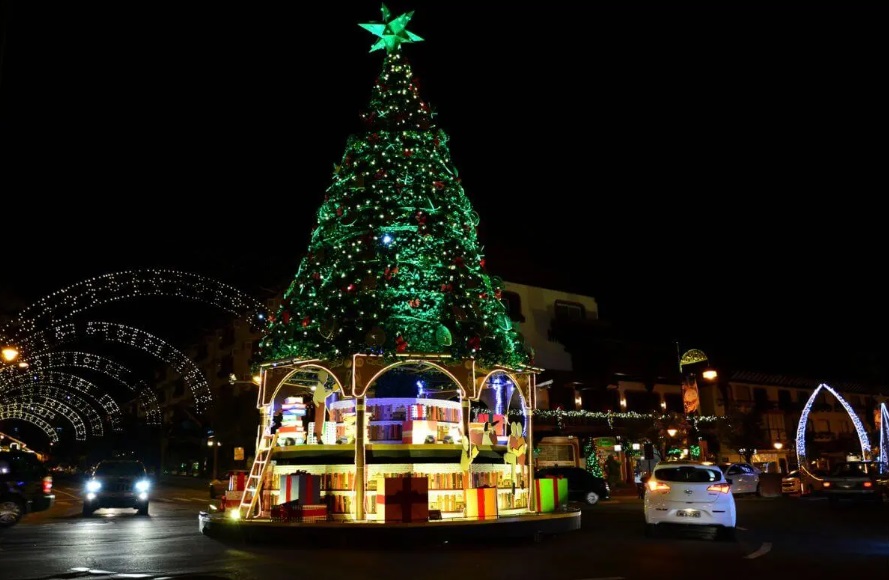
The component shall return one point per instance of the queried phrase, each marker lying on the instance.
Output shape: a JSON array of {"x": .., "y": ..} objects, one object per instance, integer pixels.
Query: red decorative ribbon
[{"x": 407, "y": 497}]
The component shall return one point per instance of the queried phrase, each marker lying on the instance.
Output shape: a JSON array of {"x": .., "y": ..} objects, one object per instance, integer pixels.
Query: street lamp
[
  {"x": 10, "y": 354},
  {"x": 212, "y": 442},
  {"x": 778, "y": 445},
  {"x": 692, "y": 362}
]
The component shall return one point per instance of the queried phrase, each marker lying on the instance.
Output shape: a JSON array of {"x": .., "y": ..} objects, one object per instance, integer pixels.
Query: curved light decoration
[
  {"x": 48, "y": 383},
  {"x": 63, "y": 304},
  {"x": 804, "y": 418},
  {"x": 106, "y": 366},
  {"x": 23, "y": 415},
  {"x": 884, "y": 434},
  {"x": 47, "y": 409},
  {"x": 45, "y": 340}
]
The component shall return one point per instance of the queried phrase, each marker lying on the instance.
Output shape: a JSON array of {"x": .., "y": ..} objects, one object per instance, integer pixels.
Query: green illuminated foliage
[{"x": 394, "y": 264}]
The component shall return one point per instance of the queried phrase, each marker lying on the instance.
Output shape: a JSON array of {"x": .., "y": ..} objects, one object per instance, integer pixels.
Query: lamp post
[
  {"x": 692, "y": 363},
  {"x": 212, "y": 442}
]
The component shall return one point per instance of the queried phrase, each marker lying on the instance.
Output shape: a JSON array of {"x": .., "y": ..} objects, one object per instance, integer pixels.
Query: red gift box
[
  {"x": 236, "y": 481},
  {"x": 404, "y": 499},
  {"x": 313, "y": 513},
  {"x": 300, "y": 486}
]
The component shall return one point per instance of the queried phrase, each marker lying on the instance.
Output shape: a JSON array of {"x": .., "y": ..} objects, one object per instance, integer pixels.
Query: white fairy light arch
[
  {"x": 49, "y": 391},
  {"x": 67, "y": 302},
  {"x": 804, "y": 418},
  {"x": 106, "y": 366},
  {"x": 47, "y": 409},
  {"x": 23, "y": 415},
  {"x": 45, "y": 340},
  {"x": 884, "y": 434}
]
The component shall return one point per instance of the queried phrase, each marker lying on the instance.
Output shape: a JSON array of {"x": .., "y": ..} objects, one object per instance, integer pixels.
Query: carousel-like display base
[{"x": 388, "y": 534}]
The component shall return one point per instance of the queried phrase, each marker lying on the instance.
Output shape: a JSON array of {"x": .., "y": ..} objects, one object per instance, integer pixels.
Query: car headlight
[
  {"x": 93, "y": 485},
  {"x": 142, "y": 485}
]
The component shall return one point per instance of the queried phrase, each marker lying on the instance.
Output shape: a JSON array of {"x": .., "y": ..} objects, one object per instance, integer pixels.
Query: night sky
[{"x": 708, "y": 175}]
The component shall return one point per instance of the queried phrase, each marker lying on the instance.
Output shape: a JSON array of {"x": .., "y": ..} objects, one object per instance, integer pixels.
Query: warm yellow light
[
  {"x": 778, "y": 445},
  {"x": 710, "y": 374},
  {"x": 257, "y": 379},
  {"x": 23, "y": 365},
  {"x": 672, "y": 432},
  {"x": 210, "y": 443},
  {"x": 10, "y": 354}
]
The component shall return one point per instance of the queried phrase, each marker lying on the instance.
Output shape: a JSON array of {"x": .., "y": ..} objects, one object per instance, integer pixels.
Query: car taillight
[
  {"x": 657, "y": 486},
  {"x": 720, "y": 487},
  {"x": 47, "y": 484},
  {"x": 868, "y": 484}
]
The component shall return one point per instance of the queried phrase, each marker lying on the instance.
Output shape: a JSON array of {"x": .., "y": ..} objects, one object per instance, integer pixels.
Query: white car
[
  {"x": 744, "y": 477},
  {"x": 689, "y": 493}
]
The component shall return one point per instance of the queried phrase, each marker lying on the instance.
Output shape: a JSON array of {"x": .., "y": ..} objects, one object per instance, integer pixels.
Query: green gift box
[
  {"x": 545, "y": 494},
  {"x": 561, "y": 491}
]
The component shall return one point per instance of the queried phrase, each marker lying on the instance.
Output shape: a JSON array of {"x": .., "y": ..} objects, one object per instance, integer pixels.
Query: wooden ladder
[{"x": 253, "y": 486}]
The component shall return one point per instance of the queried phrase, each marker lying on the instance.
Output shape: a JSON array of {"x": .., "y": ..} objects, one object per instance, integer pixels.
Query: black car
[
  {"x": 857, "y": 480},
  {"x": 583, "y": 486},
  {"x": 117, "y": 483},
  {"x": 25, "y": 486}
]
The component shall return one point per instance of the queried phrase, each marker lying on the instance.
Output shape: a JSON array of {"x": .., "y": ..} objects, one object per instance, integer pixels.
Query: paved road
[{"x": 780, "y": 536}]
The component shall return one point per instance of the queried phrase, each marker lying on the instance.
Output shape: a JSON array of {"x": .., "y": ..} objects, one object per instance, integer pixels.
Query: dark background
[{"x": 709, "y": 175}]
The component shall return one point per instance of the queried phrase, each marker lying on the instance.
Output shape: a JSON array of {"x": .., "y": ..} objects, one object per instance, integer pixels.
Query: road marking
[{"x": 762, "y": 551}]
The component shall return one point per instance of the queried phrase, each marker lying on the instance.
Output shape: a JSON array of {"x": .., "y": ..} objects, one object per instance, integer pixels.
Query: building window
[
  {"x": 742, "y": 394},
  {"x": 784, "y": 400},
  {"x": 564, "y": 310},
  {"x": 642, "y": 401},
  {"x": 673, "y": 403},
  {"x": 513, "y": 304},
  {"x": 761, "y": 399}
]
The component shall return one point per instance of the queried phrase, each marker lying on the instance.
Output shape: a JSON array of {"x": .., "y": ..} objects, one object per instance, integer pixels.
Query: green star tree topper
[{"x": 394, "y": 264}]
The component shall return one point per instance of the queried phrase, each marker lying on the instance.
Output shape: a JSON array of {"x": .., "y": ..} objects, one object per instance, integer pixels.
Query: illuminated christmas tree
[
  {"x": 394, "y": 264},
  {"x": 591, "y": 454}
]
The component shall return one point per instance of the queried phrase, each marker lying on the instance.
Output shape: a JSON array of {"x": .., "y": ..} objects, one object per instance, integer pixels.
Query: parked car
[
  {"x": 800, "y": 482},
  {"x": 25, "y": 486},
  {"x": 857, "y": 480},
  {"x": 689, "y": 493},
  {"x": 117, "y": 483},
  {"x": 583, "y": 486},
  {"x": 744, "y": 477},
  {"x": 218, "y": 487}
]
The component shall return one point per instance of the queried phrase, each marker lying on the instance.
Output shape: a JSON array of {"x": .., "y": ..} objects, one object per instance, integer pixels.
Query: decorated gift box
[
  {"x": 481, "y": 503},
  {"x": 313, "y": 513},
  {"x": 418, "y": 432},
  {"x": 300, "y": 486},
  {"x": 236, "y": 481},
  {"x": 404, "y": 499},
  {"x": 545, "y": 494},
  {"x": 551, "y": 493}
]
